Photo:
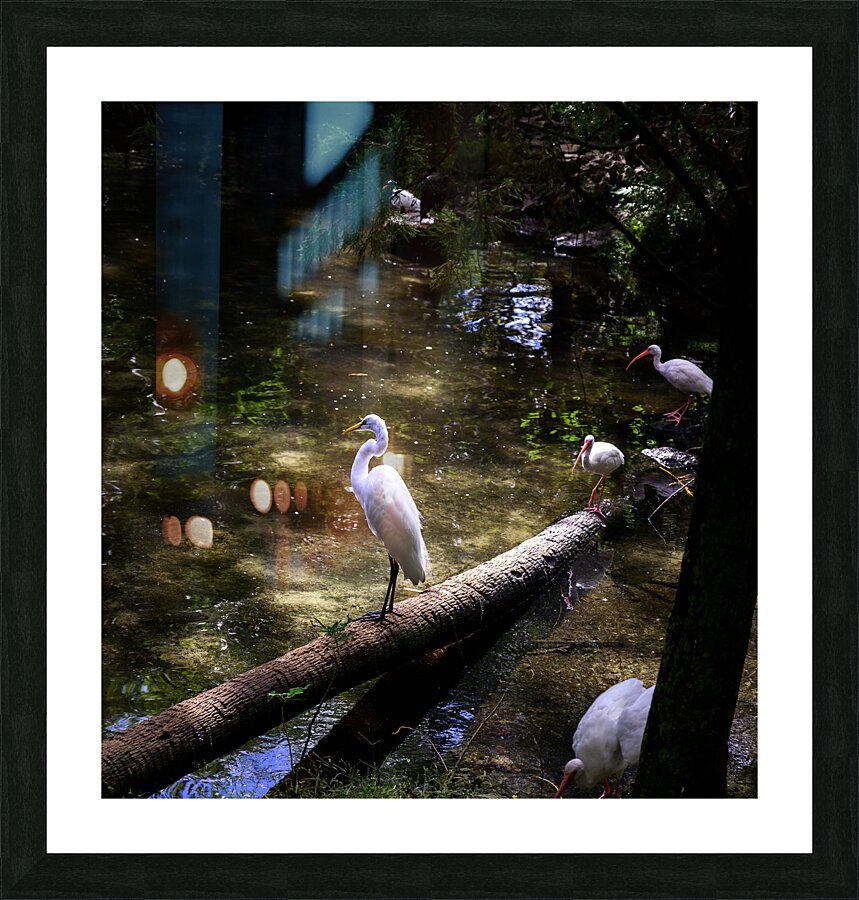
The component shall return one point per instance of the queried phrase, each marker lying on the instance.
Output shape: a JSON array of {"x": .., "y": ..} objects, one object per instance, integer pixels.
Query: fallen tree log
[{"x": 157, "y": 751}]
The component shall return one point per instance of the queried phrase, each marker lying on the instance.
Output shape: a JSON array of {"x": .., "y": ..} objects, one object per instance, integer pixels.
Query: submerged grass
[{"x": 431, "y": 781}]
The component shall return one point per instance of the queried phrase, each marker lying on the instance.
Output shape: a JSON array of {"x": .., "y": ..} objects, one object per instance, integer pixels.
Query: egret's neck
[{"x": 361, "y": 467}]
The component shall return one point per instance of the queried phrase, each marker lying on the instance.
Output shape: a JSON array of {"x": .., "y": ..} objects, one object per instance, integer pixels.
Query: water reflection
[
  {"x": 176, "y": 377},
  {"x": 261, "y": 496},
  {"x": 199, "y": 531},
  {"x": 586, "y": 572},
  {"x": 322, "y": 321},
  {"x": 250, "y": 773},
  {"x": 187, "y": 270},
  {"x": 520, "y": 314},
  {"x": 171, "y": 529},
  {"x": 324, "y": 230},
  {"x": 330, "y": 131},
  {"x": 282, "y": 497}
]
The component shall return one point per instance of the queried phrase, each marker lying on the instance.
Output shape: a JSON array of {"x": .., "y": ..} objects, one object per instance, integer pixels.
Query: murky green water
[{"x": 488, "y": 392}]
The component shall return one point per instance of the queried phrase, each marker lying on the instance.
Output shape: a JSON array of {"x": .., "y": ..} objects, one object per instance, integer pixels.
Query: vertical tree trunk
[{"x": 685, "y": 748}]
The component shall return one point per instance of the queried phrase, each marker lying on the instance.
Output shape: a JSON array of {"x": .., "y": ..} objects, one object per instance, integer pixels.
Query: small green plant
[
  {"x": 291, "y": 694},
  {"x": 336, "y": 629}
]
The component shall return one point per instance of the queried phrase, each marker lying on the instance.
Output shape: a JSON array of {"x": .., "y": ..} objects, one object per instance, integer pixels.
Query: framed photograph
[{"x": 454, "y": 250}]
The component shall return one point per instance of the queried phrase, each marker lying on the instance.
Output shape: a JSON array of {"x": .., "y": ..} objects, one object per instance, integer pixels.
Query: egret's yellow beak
[{"x": 354, "y": 427}]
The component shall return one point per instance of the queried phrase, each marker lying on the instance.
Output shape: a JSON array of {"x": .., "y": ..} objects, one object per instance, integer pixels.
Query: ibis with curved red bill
[
  {"x": 679, "y": 373},
  {"x": 608, "y": 737},
  {"x": 601, "y": 458}
]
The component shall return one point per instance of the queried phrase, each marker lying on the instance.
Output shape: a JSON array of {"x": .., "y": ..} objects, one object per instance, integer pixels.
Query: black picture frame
[{"x": 828, "y": 755}]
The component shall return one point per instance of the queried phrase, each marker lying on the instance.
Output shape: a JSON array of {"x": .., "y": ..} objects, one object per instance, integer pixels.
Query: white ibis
[
  {"x": 679, "y": 373},
  {"x": 401, "y": 198},
  {"x": 608, "y": 738},
  {"x": 602, "y": 458},
  {"x": 390, "y": 510}
]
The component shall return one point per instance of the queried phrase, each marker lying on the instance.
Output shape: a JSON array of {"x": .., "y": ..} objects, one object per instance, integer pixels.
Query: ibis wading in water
[
  {"x": 390, "y": 510},
  {"x": 680, "y": 373},
  {"x": 602, "y": 458},
  {"x": 608, "y": 738},
  {"x": 401, "y": 198}
]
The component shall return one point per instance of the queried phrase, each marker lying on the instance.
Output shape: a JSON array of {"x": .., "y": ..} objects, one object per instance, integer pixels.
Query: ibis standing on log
[
  {"x": 390, "y": 510},
  {"x": 608, "y": 738},
  {"x": 679, "y": 373},
  {"x": 602, "y": 458}
]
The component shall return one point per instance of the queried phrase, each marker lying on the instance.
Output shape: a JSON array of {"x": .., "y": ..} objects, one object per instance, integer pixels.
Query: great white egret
[
  {"x": 608, "y": 738},
  {"x": 679, "y": 373},
  {"x": 602, "y": 458},
  {"x": 390, "y": 510}
]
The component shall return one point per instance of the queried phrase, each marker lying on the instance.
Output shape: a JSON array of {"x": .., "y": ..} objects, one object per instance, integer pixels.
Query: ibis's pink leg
[
  {"x": 606, "y": 791},
  {"x": 598, "y": 508},
  {"x": 590, "y": 507},
  {"x": 677, "y": 414}
]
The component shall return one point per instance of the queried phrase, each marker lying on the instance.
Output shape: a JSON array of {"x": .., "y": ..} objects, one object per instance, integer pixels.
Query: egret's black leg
[
  {"x": 392, "y": 587},
  {"x": 379, "y": 614}
]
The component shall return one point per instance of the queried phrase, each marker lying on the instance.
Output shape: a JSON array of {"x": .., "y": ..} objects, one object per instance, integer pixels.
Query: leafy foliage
[{"x": 669, "y": 178}]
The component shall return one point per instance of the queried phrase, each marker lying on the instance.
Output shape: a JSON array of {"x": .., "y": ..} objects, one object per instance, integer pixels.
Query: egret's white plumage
[
  {"x": 608, "y": 738},
  {"x": 390, "y": 510},
  {"x": 679, "y": 373},
  {"x": 599, "y": 457}
]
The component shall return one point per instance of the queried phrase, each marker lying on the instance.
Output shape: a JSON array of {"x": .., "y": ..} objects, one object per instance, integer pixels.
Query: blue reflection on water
[
  {"x": 350, "y": 205},
  {"x": 248, "y": 774},
  {"x": 330, "y": 132},
  {"x": 521, "y": 313}
]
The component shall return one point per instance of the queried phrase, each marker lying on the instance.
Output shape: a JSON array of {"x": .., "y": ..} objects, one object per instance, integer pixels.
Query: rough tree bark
[
  {"x": 685, "y": 748},
  {"x": 157, "y": 751}
]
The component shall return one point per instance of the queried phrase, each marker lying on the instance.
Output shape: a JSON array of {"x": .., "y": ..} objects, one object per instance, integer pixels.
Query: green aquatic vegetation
[
  {"x": 531, "y": 425},
  {"x": 336, "y": 629},
  {"x": 268, "y": 401},
  {"x": 261, "y": 403},
  {"x": 431, "y": 781},
  {"x": 640, "y": 431},
  {"x": 572, "y": 427}
]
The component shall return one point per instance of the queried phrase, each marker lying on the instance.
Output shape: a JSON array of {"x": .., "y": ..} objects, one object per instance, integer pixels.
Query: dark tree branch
[
  {"x": 684, "y": 179},
  {"x": 653, "y": 257},
  {"x": 732, "y": 176},
  {"x": 565, "y": 135}
]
